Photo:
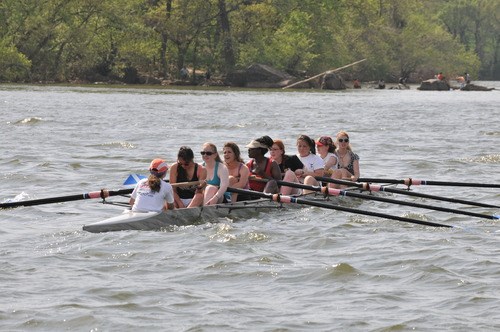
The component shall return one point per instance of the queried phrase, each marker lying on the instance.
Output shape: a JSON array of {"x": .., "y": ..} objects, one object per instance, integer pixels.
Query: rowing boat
[
  {"x": 133, "y": 220},
  {"x": 152, "y": 221}
]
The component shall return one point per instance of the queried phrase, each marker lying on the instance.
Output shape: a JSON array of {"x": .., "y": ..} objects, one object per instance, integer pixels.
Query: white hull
[{"x": 151, "y": 221}]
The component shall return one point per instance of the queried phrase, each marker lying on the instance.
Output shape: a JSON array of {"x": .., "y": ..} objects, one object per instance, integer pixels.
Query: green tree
[
  {"x": 14, "y": 66},
  {"x": 476, "y": 24}
]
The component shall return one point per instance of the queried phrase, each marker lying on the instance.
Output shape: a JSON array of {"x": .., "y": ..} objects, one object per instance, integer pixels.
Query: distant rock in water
[
  {"x": 435, "y": 84},
  {"x": 259, "y": 76},
  {"x": 473, "y": 87}
]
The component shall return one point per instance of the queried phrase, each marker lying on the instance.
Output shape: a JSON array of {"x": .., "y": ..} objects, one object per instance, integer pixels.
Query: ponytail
[{"x": 154, "y": 182}]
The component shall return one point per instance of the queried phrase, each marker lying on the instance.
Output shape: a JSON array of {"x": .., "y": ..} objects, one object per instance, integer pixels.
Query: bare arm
[
  {"x": 317, "y": 172},
  {"x": 302, "y": 173},
  {"x": 173, "y": 179},
  {"x": 223, "y": 174},
  {"x": 357, "y": 174},
  {"x": 202, "y": 173},
  {"x": 224, "y": 180},
  {"x": 275, "y": 171},
  {"x": 244, "y": 174},
  {"x": 331, "y": 162}
]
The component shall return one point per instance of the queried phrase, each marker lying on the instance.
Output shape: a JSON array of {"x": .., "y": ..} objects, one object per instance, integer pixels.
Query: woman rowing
[
  {"x": 186, "y": 170},
  {"x": 313, "y": 166},
  {"x": 288, "y": 165},
  {"x": 217, "y": 175},
  {"x": 284, "y": 161},
  {"x": 348, "y": 160},
  {"x": 264, "y": 172},
  {"x": 238, "y": 171},
  {"x": 153, "y": 194},
  {"x": 326, "y": 150}
]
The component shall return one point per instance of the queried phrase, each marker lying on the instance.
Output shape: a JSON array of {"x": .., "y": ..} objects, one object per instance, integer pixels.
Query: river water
[{"x": 300, "y": 270}]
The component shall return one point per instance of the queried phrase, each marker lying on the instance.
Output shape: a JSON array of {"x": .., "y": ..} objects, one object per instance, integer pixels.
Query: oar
[
  {"x": 413, "y": 182},
  {"x": 94, "y": 194},
  {"x": 339, "y": 192},
  {"x": 370, "y": 187},
  {"x": 288, "y": 199}
]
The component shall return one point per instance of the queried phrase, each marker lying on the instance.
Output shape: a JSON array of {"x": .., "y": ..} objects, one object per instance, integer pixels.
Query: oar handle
[{"x": 185, "y": 184}]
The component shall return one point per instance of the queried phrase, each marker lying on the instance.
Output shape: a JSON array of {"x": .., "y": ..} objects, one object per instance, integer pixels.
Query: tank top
[
  {"x": 182, "y": 176},
  {"x": 227, "y": 194},
  {"x": 215, "y": 181},
  {"x": 350, "y": 166},
  {"x": 257, "y": 185}
]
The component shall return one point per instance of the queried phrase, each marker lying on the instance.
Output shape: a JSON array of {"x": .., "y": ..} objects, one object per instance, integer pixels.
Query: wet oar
[
  {"x": 339, "y": 192},
  {"x": 370, "y": 187},
  {"x": 94, "y": 194},
  {"x": 295, "y": 200},
  {"x": 413, "y": 182}
]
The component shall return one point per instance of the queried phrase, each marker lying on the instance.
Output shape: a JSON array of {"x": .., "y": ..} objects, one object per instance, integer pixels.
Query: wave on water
[
  {"x": 123, "y": 145},
  {"x": 20, "y": 197},
  {"x": 75, "y": 165},
  {"x": 344, "y": 269},
  {"x": 28, "y": 121},
  {"x": 339, "y": 271},
  {"x": 488, "y": 159}
]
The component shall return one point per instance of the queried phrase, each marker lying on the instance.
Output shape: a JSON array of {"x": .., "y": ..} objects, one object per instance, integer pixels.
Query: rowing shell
[{"x": 151, "y": 221}]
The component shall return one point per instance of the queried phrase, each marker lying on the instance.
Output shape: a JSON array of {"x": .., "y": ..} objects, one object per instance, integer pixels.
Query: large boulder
[
  {"x": 333, "y": 81},
  {"x": 259, "y": 76},
  {"x": 434, "y": 84}
]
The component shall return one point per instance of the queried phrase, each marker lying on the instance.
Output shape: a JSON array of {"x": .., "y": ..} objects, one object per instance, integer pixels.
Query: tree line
[{"x": 96, "y": 40}]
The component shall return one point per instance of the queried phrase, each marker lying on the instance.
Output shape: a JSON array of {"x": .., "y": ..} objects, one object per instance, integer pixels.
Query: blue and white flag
[{"x": 132, "y": 180}]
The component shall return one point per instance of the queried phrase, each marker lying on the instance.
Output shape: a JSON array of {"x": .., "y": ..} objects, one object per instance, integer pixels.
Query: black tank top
[{"x": 186, "y": 192}]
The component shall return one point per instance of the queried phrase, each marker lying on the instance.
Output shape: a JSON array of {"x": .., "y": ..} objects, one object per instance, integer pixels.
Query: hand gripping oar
[
  {"x": 371, "y": 187},
  {"x": 339, "y": 192},
  {"x": 413, "y": 182},
  {"x": 295, "y": 200},
  {"x": 94, "y": 194}
]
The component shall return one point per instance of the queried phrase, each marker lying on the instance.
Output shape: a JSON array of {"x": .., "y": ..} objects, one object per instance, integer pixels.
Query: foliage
[
  {"x": 63, "y": 40},
  {"x": 14, "y": 66}
]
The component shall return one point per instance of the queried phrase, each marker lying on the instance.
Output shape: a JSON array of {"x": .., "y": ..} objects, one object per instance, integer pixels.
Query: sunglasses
[
  {"x": 342, "y": 140},
  {"x": 208, "y": 153}
]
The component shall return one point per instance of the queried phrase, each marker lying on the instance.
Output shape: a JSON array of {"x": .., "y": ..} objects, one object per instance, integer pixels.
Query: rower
[
  {"x": 262, "y": 167},
  {"x": 153, "y": 194},
  {"x": 186, "y": 170}
]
